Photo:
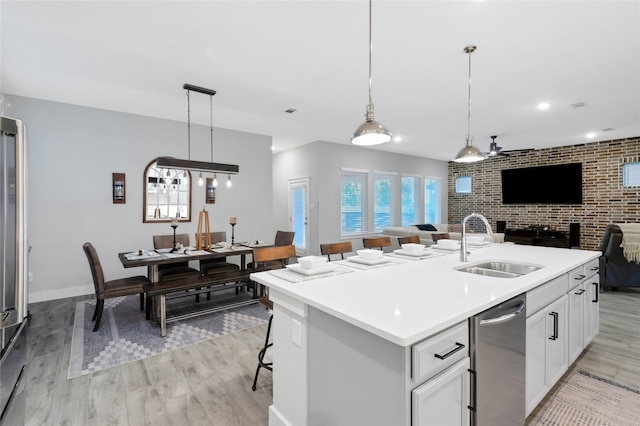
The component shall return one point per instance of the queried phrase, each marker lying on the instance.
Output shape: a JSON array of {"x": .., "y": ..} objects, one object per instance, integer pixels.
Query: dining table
[{"x": 151, "y": 259}]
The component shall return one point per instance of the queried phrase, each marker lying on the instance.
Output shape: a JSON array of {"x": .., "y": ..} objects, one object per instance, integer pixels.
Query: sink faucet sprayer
[{"x": 463, "y": 243}]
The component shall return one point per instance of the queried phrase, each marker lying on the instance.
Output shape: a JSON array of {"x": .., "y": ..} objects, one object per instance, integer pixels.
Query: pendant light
[
  {"x": 201, "y": 166},
  {"x": 469, "y": 153},
  {"x": 370, "y": 132}
]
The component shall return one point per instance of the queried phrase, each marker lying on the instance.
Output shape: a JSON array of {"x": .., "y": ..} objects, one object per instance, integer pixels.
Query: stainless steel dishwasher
[{"x": 498, "y": 343}]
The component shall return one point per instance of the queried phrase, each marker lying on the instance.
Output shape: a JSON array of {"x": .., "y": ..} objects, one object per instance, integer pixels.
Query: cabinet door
[
  {"x": 558, "y": 340},
  {"x": 536, "y": 359},
  {"x": 443, "y": 400},
  {"x": 577, "y": 298},
  {"x": 592, "y": 308}
]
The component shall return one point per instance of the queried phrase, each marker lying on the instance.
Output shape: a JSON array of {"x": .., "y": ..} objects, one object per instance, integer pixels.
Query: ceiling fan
[{"x": 495, "y": 150}]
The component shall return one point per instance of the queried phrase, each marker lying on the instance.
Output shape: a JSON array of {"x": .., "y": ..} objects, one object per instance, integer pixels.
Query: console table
[{"x": 536, "y": 237}]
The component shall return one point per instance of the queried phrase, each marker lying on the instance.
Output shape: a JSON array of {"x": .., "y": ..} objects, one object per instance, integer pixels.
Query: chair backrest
[
  {"x": 377, "y": 242},
  {"x": 437, "y": 237},
  {"x": 411, "y": 239},
  {"x": 284, "y": 238},
  {"x": 336, "y": 248},
  {"x": 96, "y": 268},
  {"x": 216, "y": 237},
  {"x": 166, "y": 241},
  {"x": 270, "y": 254}
]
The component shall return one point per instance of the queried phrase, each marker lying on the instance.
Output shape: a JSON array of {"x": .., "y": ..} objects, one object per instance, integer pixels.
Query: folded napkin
[{"x": 136, "y": 255}]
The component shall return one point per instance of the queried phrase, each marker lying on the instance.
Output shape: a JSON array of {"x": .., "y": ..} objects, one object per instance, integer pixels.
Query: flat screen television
[{"x": 557, "y": 184}]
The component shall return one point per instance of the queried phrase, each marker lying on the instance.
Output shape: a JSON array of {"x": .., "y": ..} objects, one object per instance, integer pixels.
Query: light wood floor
[{"x": 210, "y": 383}]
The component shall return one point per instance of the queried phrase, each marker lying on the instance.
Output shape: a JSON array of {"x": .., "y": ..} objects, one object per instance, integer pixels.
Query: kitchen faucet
[{"x": 463, "y": 243}]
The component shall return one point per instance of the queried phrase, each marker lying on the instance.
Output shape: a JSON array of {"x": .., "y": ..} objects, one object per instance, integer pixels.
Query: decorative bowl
[
  {"x": 475, "y": 239},
  {"x": 311, "y": 262},
  {"x": 412, "y": 247},
  {"x": 369, "y": 254},
  {"x": 447, "y": 242}
]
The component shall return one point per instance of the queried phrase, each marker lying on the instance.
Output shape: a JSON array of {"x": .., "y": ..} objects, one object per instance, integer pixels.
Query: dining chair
[
  {"x": 437, "y": 237},
  {"x": 376, "y": 242},
  {"x": 220, "y": 264},
  {"x": 336, "y": 248},
  {"x": 276, "y": 257},
  {"x": 411, "y": 239},
  {"x": 113, "y": 288},
  {"x": 283, "y": 238},
  {"x": 172, "y": 270}
]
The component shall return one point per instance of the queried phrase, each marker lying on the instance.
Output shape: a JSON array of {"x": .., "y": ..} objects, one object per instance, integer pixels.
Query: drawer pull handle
[
  {"x": 597, "y": 292},
  {"x": 595, "y": 268},
  {"x": 580, "y": 277},
  {"x": 459, "y": 346},
  {"x": 582, "y": 290}
]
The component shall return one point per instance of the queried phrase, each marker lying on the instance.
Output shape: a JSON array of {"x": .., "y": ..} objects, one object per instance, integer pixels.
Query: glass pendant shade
[{"x": 371, "y": 133}]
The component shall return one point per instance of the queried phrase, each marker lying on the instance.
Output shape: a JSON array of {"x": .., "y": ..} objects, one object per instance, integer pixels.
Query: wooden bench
[{"x": 190, "y": 285}]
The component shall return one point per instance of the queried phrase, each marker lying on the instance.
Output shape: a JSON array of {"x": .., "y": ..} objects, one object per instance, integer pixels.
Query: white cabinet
[
  {"x": 444, "y": 399},
  {"x": 547, "y": 350},
  {"x": 584, "y": 312}
]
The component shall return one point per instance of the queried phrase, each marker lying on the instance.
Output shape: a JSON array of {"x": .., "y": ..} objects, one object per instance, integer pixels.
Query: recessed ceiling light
[
  {"x": 397, "y": 139},
  {"x": 591, "y": 135},
  {"x": 543, "y": 105}
]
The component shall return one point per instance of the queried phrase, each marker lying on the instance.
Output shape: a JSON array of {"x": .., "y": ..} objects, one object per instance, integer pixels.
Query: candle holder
[
  {"x": 174, "y": 225},
  {"x": 233, "y": 237}
]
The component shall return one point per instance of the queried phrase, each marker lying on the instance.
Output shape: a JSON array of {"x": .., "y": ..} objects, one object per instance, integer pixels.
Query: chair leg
[
  {"x": 98, "y": 314},
  {"x": 261, "y": 354},
  {"x": 148, "y": 308},
  {"x": 142, "y": 301},
  {"x": 95, "y": 311}
]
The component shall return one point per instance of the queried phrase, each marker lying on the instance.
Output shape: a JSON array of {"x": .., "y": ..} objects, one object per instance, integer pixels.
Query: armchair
[{"x": 615, "y": 270}]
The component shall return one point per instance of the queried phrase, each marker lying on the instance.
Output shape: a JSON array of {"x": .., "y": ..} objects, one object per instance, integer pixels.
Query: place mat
[
  {"x": 364, "y": 266},
  {"x": 294, "y": 277},
  {"x": 587, "y": 399},
  {"x": 126, "y": 336},
  {"x": 146, "y": 254},
  {"x": 430, "y": 255}
]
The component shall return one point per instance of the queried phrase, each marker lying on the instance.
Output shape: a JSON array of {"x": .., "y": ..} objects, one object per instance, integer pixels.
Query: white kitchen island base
[{"x": 390, "y": 346}]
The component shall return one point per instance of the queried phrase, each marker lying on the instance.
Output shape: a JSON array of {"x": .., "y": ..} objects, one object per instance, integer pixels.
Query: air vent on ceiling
[
  {"x": 578, "y": 105},
  {"x": 290, "y": 110},
  {"x": 608, "y": 129}
]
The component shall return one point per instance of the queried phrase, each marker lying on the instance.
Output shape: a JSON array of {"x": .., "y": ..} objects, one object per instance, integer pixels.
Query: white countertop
[{"x": 409, "y": 302}]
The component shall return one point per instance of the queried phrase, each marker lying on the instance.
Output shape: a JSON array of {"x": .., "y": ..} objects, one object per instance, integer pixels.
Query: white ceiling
[{"x": 263, "y": 57}]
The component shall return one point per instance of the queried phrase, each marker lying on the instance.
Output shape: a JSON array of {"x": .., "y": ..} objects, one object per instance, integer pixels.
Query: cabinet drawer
[
  {"x": 440, "y": 351},
  {"x": 592, "y": 267},
  {"x": 541, "y": 296},
  {"x": 576, "y": 276}
]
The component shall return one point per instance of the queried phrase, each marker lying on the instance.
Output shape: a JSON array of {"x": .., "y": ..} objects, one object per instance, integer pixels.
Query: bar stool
[{"x": 269, "y": 258}]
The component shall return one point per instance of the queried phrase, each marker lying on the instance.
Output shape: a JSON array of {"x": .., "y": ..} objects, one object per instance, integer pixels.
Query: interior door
[{"x": 298, "y": 214}]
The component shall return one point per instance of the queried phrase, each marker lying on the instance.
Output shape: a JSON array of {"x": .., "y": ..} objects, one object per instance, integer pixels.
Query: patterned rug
[
  {"x": 591, "y": 400},
  {"x": 125, "y": 336}
]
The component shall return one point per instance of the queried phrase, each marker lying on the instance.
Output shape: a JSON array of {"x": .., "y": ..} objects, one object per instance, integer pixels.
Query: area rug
[
  {"x": 126, "y": 336},
  {"x": 587, "y": 399}
]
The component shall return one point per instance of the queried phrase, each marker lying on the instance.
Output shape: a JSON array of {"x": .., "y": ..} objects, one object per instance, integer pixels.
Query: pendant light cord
[
  {"x": 211, "y": 123},
  {"x": 469, "y": 104},
  {"x": 188, "y": 126},
  {"x": 370, "y": 107}
]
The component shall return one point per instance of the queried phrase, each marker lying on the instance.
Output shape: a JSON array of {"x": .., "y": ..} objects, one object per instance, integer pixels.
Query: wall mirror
[{"x": 166, "y": 194}]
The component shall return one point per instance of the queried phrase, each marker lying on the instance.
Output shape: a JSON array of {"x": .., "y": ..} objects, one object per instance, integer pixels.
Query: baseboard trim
[{"x": 44, "y": 296}]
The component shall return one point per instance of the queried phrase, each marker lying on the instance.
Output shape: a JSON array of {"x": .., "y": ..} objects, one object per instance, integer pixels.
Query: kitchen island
[{"x": 347, "y": 348}]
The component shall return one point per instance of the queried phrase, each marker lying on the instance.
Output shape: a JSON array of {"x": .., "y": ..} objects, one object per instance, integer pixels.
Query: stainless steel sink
[{"x": 499, "y": 269}]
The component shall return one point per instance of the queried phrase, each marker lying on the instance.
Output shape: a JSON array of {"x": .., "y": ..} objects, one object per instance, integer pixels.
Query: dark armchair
[{"x": 615, "y": 270}]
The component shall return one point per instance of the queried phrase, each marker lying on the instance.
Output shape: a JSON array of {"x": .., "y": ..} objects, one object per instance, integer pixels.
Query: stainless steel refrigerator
[{"x": 13, "y": 269}]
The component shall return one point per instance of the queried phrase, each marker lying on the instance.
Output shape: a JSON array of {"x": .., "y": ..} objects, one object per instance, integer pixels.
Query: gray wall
[
  {"x": 73, "y": 151},
  {"x": 322, "y": 163}
]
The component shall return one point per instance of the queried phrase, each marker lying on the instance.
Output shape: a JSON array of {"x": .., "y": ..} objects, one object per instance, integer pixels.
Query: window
[
  {"x": 383, "y": 196},
  {"x": 432, "y": 199},
  {"x": 353, "y": 202},
  {"x": 463, "y": 184},
  {"x": 410, "y": 200},
  {"x": 630, "y": 175}
]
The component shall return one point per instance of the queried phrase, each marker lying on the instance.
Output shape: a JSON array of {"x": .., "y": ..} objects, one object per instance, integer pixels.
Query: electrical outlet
[{"x": 296, "y": 332}]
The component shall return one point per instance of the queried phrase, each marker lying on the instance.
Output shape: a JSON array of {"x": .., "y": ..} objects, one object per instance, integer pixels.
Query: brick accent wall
[{"x": 604, "y": 201}]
